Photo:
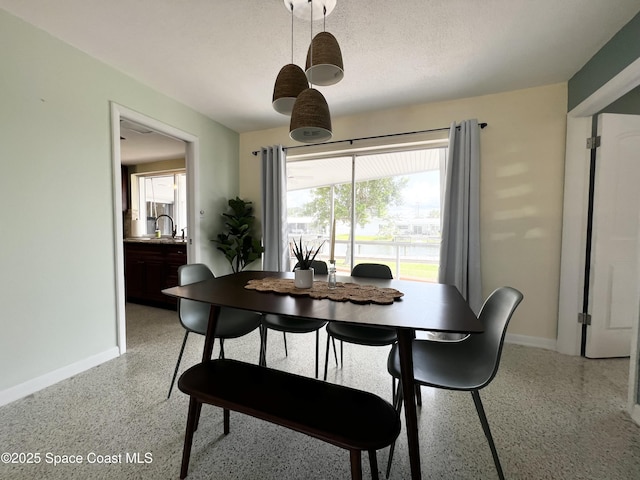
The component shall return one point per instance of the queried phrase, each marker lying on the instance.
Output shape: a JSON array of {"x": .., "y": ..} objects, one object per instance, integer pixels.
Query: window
[
  {"x": 386, "y": 205},
  {"x": 161, "y": 193}
]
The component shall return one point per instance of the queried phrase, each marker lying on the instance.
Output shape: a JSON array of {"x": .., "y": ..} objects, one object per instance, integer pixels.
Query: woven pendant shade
[
  {"x": 310, "y": 119},
  {"x": 327, "y": 67},
  {"x": 289, "y": 83}
]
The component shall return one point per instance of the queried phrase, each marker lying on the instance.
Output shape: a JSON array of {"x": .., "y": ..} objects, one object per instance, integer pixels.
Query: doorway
[
  {"x": 574, "y": 224},
  {"x": 120, "y": 114}
]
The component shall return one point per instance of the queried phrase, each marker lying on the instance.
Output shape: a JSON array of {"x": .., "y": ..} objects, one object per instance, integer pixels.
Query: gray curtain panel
[
  {"x": 460, "y": 249},
  {"x": 274, "y": 210}
]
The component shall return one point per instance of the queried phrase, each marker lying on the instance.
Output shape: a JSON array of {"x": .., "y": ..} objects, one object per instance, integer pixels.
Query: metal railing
[{"x": 390, "y": 252}]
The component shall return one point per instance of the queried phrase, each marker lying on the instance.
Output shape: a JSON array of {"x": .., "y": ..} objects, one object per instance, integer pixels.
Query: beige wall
[
  {"x": 522, "y": 172},
  {"x": 157, "y": 166}
]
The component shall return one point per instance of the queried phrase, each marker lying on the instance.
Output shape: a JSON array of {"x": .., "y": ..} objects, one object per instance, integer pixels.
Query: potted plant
[
  {"x": 303, "y": 273},
  {"x": 239, "y": 243}
]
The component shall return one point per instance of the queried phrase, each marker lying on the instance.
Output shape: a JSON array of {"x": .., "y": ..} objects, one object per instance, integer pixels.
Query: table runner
[{"x": 344, "y": 292}]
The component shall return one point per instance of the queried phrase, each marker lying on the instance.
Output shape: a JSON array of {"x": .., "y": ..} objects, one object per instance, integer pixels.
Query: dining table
[{"x": 423, "y": 306}]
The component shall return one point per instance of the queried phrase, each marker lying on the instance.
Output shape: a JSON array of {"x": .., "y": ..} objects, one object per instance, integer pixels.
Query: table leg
[
  {"x": 214, "y": 313},
  {"x": 405, "y": 350}
]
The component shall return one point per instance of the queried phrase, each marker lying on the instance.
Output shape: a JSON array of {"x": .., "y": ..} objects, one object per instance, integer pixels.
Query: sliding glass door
[{"x": 386, "y": 206}]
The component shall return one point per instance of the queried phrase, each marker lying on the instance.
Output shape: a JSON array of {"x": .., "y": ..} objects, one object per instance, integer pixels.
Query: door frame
[
  {"x": 574, "y": 222},
  {"x": 576, "y": 185},
  {"x": 192, "y": 155}
]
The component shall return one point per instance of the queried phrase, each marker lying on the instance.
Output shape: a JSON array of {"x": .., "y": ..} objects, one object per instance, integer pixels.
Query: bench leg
[
  {"x": 225, "y": 414},
  {"x": 373, "y": 462},
  {"x": 356, "y": 464},
  {"x": 188, "y": 436}
]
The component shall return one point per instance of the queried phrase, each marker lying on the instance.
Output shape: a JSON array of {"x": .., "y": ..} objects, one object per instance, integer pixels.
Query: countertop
[{"x": 154, "y": 240}]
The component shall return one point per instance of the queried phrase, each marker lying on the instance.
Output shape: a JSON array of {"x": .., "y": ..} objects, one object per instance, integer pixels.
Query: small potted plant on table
[{"x": 303, "y": 273}]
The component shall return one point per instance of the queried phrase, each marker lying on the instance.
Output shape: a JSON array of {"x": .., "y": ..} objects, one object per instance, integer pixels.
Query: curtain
[
  {"x": 460, "y": 249},
  {"x": 274, "y": 210}
]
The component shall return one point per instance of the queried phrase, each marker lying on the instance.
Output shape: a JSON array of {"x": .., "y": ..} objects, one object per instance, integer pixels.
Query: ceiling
[
  {"x": 221, "y": 57},
  {"x": 140, "y": 144}
]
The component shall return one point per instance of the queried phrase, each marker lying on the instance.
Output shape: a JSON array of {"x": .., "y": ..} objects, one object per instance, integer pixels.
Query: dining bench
[{"x": 348, "y": 418}]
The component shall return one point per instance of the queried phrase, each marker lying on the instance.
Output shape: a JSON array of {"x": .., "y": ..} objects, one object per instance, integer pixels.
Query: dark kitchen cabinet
[{"x": 151, "y": 267}]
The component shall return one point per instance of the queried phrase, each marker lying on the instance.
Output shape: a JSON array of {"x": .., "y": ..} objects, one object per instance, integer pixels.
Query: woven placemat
[{"x": 344, "y": 292}]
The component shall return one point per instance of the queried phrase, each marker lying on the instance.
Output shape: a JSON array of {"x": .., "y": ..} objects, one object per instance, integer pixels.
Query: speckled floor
[{"x": 552, "y": 416}]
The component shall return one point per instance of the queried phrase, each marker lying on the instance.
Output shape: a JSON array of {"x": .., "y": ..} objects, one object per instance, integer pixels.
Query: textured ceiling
[{"x": 221, "y": 57}]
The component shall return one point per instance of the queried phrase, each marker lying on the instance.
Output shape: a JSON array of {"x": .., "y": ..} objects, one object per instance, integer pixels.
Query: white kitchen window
[{"x": 161, "y": 193}]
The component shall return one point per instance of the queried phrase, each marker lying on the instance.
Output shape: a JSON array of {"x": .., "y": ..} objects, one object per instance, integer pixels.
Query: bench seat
[{"x": 342, "y": 416}]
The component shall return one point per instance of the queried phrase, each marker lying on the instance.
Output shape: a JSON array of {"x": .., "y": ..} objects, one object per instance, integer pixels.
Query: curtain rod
[{"x": 351, "y": 140}]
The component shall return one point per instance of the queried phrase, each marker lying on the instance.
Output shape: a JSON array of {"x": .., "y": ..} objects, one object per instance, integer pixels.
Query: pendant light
[
  {"x": 326, "y": 67},
  {"x": 291, "y": 80},
  {"x": 310, "y": 118}
]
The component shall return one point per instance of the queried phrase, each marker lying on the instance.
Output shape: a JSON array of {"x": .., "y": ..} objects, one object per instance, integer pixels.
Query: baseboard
[
  {"x": 527, "y": 341},
  {"x": 635, "y": 414},
  {"x": 29, "y": 387}
]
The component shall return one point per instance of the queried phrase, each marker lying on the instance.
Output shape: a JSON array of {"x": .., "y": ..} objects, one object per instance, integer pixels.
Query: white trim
[
  {"x": 528, "y": 341},
  {"x": 574, "y": 224},
  {"x": 29, "y": 387},
  {"x": 634, "y": 369},
  {"x": 192, "y": 156},
  {"x": 193, "y": 201},
  {"x": 621, "y": 84},
  {"x": 635, "y": 413},
  {"x": 117, "y": 228}
]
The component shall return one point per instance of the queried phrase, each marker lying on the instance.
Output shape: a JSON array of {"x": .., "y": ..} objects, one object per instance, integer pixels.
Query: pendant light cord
[
  {"x": 291, "y": 4},
  {"x": 324, "y": 18},
  {"x": 311, "y": 44}
]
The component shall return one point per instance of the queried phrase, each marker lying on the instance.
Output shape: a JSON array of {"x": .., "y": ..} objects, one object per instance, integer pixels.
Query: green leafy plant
[
  {"x": 239, "y": 243},
  {"x": 304, "y": 255}
]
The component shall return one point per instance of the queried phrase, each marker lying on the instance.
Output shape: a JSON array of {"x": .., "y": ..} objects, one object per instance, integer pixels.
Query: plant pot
[{"x": 303, "y": 278}]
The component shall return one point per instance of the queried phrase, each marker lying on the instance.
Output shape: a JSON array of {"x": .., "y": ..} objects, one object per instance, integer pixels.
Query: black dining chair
[
  {"x": 295, "y": 324},
  {"x": 361, "y": 334},
  {"x": 194, "y": 316},
  {"x": 469, "y": 364}
]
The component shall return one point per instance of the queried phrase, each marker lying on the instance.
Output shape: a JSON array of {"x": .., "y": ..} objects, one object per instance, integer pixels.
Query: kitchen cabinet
[{"x": 151, "y": 267}]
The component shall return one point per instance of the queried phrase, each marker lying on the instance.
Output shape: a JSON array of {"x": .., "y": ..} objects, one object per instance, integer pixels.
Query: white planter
[{"x": 303, "y": 278}]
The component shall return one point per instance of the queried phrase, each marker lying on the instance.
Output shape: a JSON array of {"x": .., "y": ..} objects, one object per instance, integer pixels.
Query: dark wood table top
[{"x": 424, "y": 306}]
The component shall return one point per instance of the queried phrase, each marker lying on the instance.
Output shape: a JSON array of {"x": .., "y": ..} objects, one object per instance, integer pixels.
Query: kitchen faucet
[{"x": 173, "y": 229}]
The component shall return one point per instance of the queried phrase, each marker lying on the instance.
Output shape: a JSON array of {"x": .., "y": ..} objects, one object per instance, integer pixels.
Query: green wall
[
  {"x": 628, "y": 104},
  {"x": 622, "y": 50},
  {"x": 58, "y": 286}
]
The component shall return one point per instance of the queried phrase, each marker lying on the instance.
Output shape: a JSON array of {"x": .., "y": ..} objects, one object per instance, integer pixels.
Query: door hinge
[
  {"x": 593, "y": 142},
  {"x": 584, "y": 318}
]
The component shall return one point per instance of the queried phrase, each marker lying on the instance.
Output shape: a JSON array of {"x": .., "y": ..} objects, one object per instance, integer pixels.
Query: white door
[
  {"x": 634, "y": 374},
  {"x": 614, "y": 276}
]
